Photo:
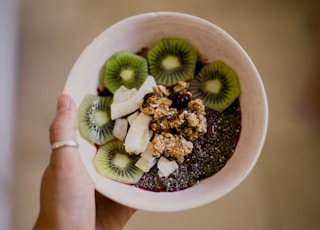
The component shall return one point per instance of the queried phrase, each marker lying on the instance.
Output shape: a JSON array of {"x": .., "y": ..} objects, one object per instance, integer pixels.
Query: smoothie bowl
[{"x": 172, "y": 111}]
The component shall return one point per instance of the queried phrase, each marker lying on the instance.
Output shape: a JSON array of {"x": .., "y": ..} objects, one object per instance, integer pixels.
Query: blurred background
[{"x": 40, "y": 41}]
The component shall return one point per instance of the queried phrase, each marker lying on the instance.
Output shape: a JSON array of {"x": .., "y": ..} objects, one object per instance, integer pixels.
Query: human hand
[{"x": 68, "y": 199}]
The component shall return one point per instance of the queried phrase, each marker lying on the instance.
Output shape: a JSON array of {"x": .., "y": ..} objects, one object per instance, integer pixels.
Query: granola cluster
[
  {"x": 177, "y": 119},
  {"x": 175, "y": 145}
]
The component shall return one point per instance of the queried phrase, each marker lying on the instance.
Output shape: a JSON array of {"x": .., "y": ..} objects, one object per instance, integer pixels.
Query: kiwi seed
[
  {"x": 125, "y": 68},
  {"x": 172, "y": 60},
  {"x": 94, "y": 119},
  {"x": 217, "y": 85},
  {"x": 113, "y": 162}
]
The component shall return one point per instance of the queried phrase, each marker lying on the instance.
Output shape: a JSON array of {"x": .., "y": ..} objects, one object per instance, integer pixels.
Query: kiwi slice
[
  {"x": 217, "y": 85},
  {"x": 172, "y": 60},
  {"x": 94, "y": 119},
  {"x": 125, "y": 68},
  {"x": 113, "y": 162}
]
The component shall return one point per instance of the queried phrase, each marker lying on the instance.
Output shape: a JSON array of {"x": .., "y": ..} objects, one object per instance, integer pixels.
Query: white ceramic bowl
[{"x": 137, "y": 32}]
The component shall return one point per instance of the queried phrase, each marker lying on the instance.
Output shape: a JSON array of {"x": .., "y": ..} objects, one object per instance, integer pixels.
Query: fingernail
[{"x": 63, "y": 103}]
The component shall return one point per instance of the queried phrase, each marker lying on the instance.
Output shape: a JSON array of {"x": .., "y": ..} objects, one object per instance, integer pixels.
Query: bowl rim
[{"x": 189, "y": 202}]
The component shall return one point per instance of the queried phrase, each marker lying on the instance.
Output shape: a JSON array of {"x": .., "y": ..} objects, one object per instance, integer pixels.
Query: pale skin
[{"x": 68, "y": 199}]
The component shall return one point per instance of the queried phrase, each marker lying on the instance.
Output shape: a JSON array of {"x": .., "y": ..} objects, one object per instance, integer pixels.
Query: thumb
[
  {"x": 64, "y": 124},
  {"x": 67, "y": 192},
  {"x": 63, "y": 128}
]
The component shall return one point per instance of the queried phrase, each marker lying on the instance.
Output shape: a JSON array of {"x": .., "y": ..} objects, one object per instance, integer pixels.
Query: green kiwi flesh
[
  {"x": 172, "y": 60},
  {"x": 125, "y": 68},
  {"x": 112, "y": 161},
  {"x": 94, "y": 119},
  {"x": 217, "y": 85}
]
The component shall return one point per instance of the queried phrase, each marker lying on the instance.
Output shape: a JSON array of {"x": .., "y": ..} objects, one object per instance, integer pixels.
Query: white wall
[{"x": 8, "y": 20}]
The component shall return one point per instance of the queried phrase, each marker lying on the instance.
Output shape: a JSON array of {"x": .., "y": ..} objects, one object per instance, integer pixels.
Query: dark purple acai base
[{"x": 210, "y": 153}]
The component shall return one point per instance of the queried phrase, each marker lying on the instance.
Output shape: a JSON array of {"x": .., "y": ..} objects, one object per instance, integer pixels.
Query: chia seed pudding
[{"x": 210, "y": 153}]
